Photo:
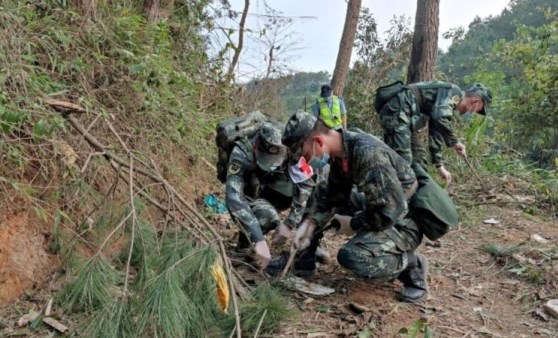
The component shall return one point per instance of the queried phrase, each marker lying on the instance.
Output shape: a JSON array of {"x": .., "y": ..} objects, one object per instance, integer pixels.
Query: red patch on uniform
[
  {"x": 346, "y": 165},
  {"x": 304, "y": 167}
]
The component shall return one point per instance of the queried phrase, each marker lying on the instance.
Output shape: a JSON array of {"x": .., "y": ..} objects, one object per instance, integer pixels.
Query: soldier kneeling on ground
[
  {"x": 385, "y": 238},
  {"x": 258, "y": 186}
]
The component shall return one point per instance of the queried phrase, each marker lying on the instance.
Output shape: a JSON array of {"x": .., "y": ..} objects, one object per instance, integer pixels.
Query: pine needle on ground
[
  {"x": 91, "y": 288},
  {"x": 265, "y": 299}
]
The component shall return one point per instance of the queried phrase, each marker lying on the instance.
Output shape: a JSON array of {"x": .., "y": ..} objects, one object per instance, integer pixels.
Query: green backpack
[
  {"x": 230, "y": 131},
  {"x": 431, "y": 207},
  {"x": 385, "y": 93}
]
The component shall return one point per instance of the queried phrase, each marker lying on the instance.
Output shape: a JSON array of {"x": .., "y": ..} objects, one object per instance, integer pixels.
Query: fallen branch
[
  {"x": 55, "y": 324},
  {"x": 260, "y": 324},
  {"x": 292, "y": 256},
  {"x": 489, "y": 203}
]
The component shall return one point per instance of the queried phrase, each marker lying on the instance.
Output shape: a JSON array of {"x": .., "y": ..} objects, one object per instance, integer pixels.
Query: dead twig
[
  {"x": 89, "y": 159},
  {"x": 474, "y": 172},
  {"x": 134, "y": 220},
  {"x": 209, "y": 164},
  {"x": 490, "y": 203},
  {"x": 292, "y": 256},
  {"x": 64, "y": 106},
  {"x": 451, "y": 329},
  {"x": 260, "y": 324}
]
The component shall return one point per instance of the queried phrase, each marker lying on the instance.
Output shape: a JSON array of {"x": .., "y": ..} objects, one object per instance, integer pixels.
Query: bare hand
[
  {"x": 444, "y": 174},
  {"x": 345, "y": 225},
  {"x": 281, "y": 234},
  {"x": 262, "y": 256},
  {"x": 460, "y": 149},
  {"x": 304, "y": 234}
]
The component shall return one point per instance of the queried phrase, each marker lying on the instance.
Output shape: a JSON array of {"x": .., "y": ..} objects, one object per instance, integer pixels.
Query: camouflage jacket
[
  {"x": 439, "y": 99},
  {"x": 246, "y": 181},
  {"x": 377, "y": 171}
]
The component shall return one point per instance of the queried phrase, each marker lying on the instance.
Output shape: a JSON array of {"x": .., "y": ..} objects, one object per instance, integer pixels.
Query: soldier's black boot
[
  {"x": 243, "y": 243},
  {"x": 414, "y": 278}
]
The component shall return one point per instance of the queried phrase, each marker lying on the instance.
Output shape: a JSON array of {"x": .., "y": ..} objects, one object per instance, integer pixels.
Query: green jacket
[
  {"x": 245, "y": 181},
  {"x": 437, "y": 103}
]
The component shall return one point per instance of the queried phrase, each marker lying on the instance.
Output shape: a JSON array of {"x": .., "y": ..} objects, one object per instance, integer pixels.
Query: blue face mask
[
  {"x": 467, "y": 116},
  {"x": 318, "y": 163}
]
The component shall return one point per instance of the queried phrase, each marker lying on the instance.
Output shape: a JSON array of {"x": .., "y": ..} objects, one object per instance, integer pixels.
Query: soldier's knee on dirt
[{"x": 364, "y": 263}]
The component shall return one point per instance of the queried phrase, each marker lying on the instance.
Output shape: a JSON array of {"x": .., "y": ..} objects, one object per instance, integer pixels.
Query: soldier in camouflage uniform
[
  {"x": 383, "y": 247},
  {"x": 258, "y": 185},
  {"x": 430, "y": 104}
]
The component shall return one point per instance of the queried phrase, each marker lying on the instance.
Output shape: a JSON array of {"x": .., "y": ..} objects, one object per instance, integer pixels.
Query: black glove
[
  {"x": 358, "y": 222},
  {"x": 361, "y": 221}
]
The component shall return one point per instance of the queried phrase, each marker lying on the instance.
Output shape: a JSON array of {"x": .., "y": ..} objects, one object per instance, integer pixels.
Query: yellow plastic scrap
[{"x": 223, "y": 294}]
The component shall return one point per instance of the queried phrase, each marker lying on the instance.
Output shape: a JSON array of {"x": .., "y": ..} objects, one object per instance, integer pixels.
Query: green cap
[
  {"x": 270, "y": 152},
  {"x": 480, "y": 90}
]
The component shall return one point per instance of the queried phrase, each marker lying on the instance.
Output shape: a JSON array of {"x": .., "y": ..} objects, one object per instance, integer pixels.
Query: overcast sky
[{"x": 320, "y": 36}]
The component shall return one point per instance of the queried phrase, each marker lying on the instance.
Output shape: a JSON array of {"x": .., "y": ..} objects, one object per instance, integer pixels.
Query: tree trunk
[
  {"x": 346, "y": 47},
  {"x": 238, "y": 47},
  {"x": 152, "y": 8},
  {"x": 425, "y": 42}
]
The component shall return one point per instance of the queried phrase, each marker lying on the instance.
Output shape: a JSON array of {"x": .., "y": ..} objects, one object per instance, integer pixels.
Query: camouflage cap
[
  {"x": 298, "y": 128},
  {"x": 480, "y": 90},
  {"x": 270, "y": 152}
]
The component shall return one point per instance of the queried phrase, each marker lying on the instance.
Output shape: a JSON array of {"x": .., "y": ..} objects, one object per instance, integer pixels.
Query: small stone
[
  {"x": 28, "y": 318},
  {"x": 491, "y": 221},
  {"x": 541, "y": 314},
  {"x": 539, "y": 239},
  {"x": 551, "y": 307}
]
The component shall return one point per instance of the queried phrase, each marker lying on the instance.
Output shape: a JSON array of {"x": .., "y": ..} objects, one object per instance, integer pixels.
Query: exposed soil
[
  {"x": 24, "y": 261},
  {"x": 472, "y": 294}
]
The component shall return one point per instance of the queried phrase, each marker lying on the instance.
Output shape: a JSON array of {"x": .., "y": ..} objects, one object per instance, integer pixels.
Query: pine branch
[
  {"x": 265, "y": 299},
  {"x": 167, "y": 311},
  {"x": 117, "y": 162},
  {"x": 91, "y": 288},
  {"x": 112, "y": 320},
  {"x": 134, "y": 220}
]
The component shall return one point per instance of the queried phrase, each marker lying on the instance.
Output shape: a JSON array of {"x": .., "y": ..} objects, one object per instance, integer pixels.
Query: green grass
[{"x": 266, "y": 299}]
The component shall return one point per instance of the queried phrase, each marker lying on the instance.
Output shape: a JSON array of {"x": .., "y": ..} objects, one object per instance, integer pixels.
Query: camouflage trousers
[
  {"x": 379, "y": 255},
  {"x": 267, "y": 217},
  {"x": 401, "y": 122},
  {"x": 266, "y": 214}
]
